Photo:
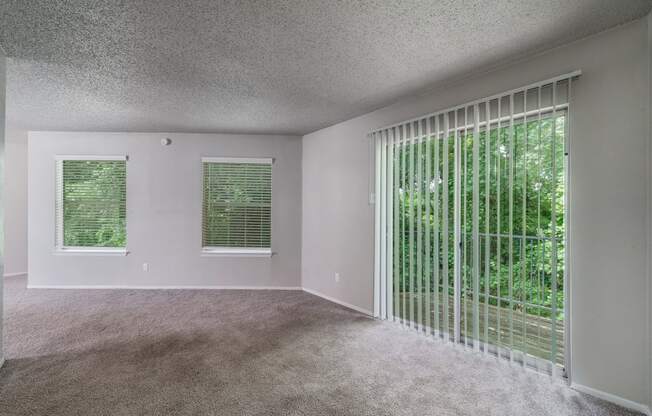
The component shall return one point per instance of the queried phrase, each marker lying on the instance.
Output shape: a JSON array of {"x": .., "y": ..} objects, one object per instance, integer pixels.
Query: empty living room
[{"x": 326, "y": 207}]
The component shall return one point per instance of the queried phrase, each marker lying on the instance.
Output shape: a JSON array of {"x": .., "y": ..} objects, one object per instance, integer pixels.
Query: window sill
[
  {"x": 91, "y": 252},
  {"x": 235, "y": 252}
]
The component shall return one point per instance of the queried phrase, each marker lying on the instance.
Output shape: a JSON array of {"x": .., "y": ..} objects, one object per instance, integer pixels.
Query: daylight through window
[
  {"x": 91, "y": 206},
  {"x": 237, "y": 206}
]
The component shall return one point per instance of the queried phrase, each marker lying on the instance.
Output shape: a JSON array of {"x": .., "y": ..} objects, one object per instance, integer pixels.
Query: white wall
[
  {"x": 164, "y": 212},
  {"x": 609, "y": 185},
  {"x": 15, "y": 201}
]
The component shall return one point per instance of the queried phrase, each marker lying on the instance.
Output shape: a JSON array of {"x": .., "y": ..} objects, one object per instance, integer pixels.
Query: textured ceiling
[{"x": 284, "y": 66}]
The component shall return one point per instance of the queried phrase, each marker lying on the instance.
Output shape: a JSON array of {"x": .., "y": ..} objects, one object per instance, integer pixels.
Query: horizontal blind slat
[
  {"x": 91, "y": 207},
  {"x": 236, "y": 205}
]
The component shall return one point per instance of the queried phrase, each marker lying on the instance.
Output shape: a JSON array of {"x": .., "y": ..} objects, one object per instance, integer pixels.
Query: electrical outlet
[
  {"x": 337, "y": 277},
  {"x": 145, "y": 267}
]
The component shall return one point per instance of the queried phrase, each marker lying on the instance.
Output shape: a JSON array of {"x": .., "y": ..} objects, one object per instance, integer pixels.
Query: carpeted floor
[{"x": 123, "y": 352}]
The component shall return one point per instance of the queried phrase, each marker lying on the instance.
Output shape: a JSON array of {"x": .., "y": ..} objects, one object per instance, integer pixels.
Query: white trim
[
  {"x": 568, "y": 313},
  {"x": 2, "y": 362},
  {"x": 172, "y": 287},
  {"x": 629, "y": 404},
  {"x": 339, "y": 302},
  {"x": 90, "y": 157},
  {"x": 59, "y": 248},
  {"x": 256, "y": 160},
  {"x": 236, "y": 252},
  {"x": 15, "y": 274},
  {"x": 90, "y": 251}
]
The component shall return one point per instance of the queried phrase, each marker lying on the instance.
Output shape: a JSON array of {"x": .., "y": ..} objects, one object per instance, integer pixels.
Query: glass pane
[
  {"x": 516, "y": 295},
  {"x": 94, "y": 203},
  {"x": 237, "y": 201}
]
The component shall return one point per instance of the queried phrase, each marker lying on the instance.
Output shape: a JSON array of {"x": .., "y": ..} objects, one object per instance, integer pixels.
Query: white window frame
[
  {"x": 236, "y": 251},
  {"x": 59, "y": 247}
]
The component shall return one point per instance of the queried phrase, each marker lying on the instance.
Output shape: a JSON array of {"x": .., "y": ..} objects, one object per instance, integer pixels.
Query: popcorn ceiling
[{"x": 284, "y": 66}]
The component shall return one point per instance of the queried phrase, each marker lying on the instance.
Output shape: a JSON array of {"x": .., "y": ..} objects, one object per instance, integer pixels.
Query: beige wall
[{"x": 608, "y": 213}]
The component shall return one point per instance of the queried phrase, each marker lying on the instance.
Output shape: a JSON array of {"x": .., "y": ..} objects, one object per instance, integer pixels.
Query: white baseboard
[
  {"x": 339, "y": 302},
  {"x": 128, "y": 287},
  {"x": 15, "y": 274},
  {"x": 638, "y": 407}
]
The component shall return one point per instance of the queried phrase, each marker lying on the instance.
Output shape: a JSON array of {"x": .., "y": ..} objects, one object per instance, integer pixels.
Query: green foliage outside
[
  {"x": 94, "y": 203},
  {"x": 520, "y": 207},
  {"x": 237, "y": 200}
]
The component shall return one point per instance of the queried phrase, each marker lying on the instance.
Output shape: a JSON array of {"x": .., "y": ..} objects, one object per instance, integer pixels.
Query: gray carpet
[{"x": 123, "y": 352}]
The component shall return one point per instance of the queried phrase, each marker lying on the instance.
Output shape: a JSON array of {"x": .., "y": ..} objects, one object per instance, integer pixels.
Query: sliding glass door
[{"x": 472, "y": 230}]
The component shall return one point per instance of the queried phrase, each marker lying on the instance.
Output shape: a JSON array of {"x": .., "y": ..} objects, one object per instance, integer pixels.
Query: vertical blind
[
  {"x": 470, "y": 208},
  {"x": 237, "y": 203},
  {"x": 91, "y": 207}
]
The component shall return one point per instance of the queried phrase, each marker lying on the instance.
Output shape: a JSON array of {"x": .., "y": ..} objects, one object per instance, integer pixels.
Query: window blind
[
  {"x": 471, "y": 224},
  {"x": 91, "y": 204},
  {"x": 237, "y": 204}
]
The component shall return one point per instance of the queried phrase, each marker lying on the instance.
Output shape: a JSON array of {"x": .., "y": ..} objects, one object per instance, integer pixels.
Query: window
[
  {"x": 91, "y": 208},
  {"x": 471, "y": 225},
  {"x": 237, "y": 206}
]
